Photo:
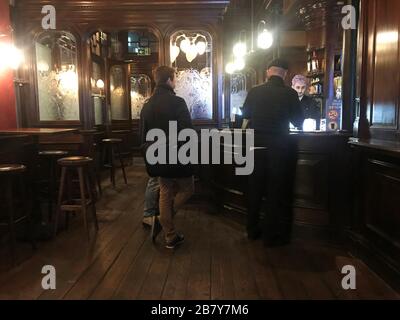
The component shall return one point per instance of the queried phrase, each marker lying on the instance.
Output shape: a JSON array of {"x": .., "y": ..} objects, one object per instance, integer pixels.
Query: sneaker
[
  {"x": 156, "y": 229},
  {"x": 179, "y": 239}
]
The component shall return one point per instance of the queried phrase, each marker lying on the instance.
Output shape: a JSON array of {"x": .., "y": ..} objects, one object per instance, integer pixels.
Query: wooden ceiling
[{"x": 125, "y": 12}]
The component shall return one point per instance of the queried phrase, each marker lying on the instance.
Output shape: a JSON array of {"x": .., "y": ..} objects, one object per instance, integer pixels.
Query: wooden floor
[{"x": 215, "y": 262}]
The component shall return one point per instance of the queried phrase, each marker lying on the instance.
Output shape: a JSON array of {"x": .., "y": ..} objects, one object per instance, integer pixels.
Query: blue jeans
[{"x": 152, "y": 196}]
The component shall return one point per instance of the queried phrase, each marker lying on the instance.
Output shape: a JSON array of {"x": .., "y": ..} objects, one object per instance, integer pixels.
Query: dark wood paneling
[
  {"x": 378, "y": 56},
  {"x": 376, "y": 225}
]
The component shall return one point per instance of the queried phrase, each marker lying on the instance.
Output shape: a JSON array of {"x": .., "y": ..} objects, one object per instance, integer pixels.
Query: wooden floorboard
[{"x": 216, "y": 261}]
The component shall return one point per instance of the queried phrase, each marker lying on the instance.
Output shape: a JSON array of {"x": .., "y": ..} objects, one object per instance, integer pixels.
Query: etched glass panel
[
  {"x": 191, "y": 55},
  {"x": 57, "y": 77},
  {"x": 119, "y": 110},
  {"x": 140, "y": 92},
  {"x": 238, "y": 94}
]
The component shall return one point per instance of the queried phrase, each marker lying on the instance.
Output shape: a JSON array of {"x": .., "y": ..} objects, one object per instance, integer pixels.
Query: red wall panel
[{"x": 8, "y": 117}]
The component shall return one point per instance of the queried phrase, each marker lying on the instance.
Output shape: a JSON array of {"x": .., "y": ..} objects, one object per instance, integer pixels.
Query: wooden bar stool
[
  {"x": 51, "y": 157},
  {"x": 81, "y": 165},
  {"x": 112, "y": 146},
  {"x": 11, "y": 180}
]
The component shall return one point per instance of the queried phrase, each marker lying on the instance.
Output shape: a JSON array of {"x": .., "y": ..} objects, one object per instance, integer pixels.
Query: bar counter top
[
  {"x": 392, "y": 147},
  {"x": 37, "y": 131}
]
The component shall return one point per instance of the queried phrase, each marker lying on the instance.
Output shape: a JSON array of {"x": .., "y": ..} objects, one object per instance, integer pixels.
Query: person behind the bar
[
  {"x": 310, "y": 107},
  {"x": 269, "y": 109},
  {"x": 175, "y": 180}
]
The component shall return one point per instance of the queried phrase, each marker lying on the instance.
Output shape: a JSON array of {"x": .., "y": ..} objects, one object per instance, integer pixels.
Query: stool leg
[
  {"x": 51, "y": 187},
  {"x": 112, "y": 165},
  {"x": 122, "y": 164},
  {"x": 11, "y": 225},
  {"x": 98, "y": 180},
  {"x": 60, "y": 197},
  {"x": 83, "y": 199},
  {"x": 92, "y": 201},
  {"x": 28, "y": 212}
]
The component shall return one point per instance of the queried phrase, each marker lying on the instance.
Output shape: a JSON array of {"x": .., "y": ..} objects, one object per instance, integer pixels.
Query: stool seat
[
  {"x": 112, "y": 141},
  {"x": 12, "y": 168},
  {"x": 53, "y": 153},
  {"x": 75, "y": 161}
]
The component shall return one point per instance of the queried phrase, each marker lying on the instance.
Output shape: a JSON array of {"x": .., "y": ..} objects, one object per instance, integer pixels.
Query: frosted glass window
[
  {"x": 57, "y": 77},
  {"x": 119, "y": 109},
  {"x": 140, "y": 92},
  {"x": 191, "y": 55}
]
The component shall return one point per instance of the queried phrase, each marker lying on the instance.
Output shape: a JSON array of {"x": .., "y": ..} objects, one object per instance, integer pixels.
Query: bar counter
[{"x": 322, "y": 203}]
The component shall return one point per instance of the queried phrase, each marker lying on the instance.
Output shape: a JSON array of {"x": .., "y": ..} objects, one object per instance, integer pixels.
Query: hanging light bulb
[
  {"x": 230, "y": 68},
  {"x": 174, "y": 52},
  {"x": 185, "y": 44},
  {"x": 239, "y": 50},
  {"x": 201, "y": 47},
  {"x": 265, "y": 39},
  {"x": 239, "y": 64},
  {"x": 191, "y": 53}
]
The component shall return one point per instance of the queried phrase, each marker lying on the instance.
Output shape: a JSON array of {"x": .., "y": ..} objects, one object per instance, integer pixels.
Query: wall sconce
[
  {"x": 191, "y": 46},
  {"x": 265, "y": 37},
  {"x": 10, "y": 57}
]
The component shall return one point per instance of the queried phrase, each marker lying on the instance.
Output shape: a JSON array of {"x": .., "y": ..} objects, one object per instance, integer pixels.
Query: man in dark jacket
[
  {"x": 176, "y": 180},
  {"x": 269, "y": 109}
]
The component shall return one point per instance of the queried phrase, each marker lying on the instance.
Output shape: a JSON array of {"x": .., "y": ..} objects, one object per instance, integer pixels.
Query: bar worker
[
  {"x": 310, "y": 107},
  {"x": 269, "y": 109}
]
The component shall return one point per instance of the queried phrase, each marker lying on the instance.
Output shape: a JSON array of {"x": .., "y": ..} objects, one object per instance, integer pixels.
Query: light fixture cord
[{"x": 252, "y": 25}]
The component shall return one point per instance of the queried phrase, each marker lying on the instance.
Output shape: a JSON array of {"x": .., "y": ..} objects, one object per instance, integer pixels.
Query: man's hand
[{"x": 245, "y": 124}]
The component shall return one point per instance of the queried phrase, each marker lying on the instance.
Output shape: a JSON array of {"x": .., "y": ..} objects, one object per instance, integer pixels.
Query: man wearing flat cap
[{"x": 269, "y": 109}]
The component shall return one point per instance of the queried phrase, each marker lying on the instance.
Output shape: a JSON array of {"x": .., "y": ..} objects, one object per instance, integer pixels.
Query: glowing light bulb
[
  {"x": 174, "y": 52},
  {"x": 230, "y": 68},
  {"x": 191, "y": 53},
  {"x": 100, "y": 84},
  {"x": 185, "y": 45},
  {"x": 239, "y": 64},
  {"x": 239, "y": 50},
  {"x": 265, "y": 39},
  {"x": 201, "y": 47},
  {"x": 10, "y": 56}
]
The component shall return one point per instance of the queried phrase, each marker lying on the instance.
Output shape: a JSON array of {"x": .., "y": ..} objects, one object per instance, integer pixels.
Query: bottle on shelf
[
  {"x": 309, "y": 63},
  {"x": 314, "y": 62}
]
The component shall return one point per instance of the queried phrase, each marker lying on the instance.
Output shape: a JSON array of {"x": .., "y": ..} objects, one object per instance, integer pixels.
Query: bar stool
[
  {"x": 113, "y": 146},
  {"x": 81, "y": 165},
  {"x": 51, "y": 157},
  {"x": 11, "y": 178}
]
